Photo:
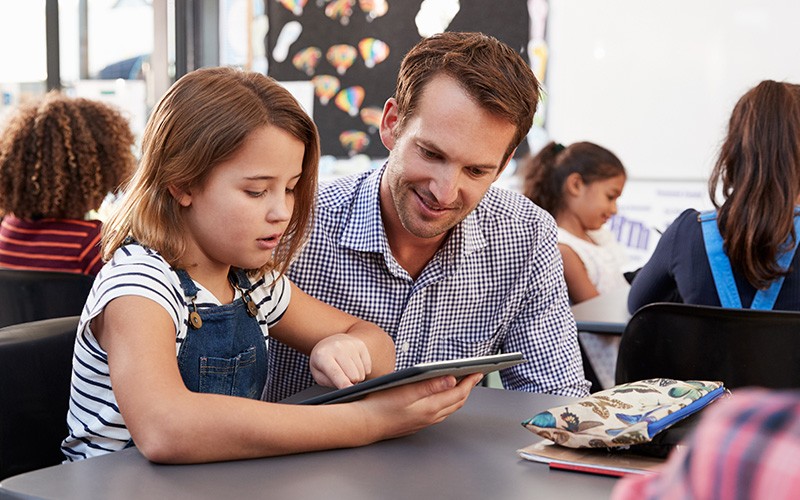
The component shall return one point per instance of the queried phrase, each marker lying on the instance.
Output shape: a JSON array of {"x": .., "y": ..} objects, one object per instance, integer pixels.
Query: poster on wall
[
  {"x": 647, "y": 208},
  {"x": 350, "y": 50}
]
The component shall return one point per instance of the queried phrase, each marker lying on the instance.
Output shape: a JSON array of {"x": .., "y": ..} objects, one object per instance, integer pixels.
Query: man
[{"x": 449, "y": 266}]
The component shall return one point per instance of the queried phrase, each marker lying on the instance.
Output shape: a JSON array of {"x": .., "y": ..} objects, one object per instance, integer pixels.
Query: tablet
[{"x": 423, "y": 371}]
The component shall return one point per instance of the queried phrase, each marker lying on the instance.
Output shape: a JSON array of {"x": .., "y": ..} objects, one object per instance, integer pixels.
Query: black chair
[
  {"x": 34, "y": 295},
  {"x": 740, "y": 347},
  {"x": 35, "y": 372}
]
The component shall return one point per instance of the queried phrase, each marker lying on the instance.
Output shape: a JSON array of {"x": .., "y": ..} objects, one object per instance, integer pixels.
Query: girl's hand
[
  {"x": 405, "y": 410},
  {"x": 340, "y": 361}
]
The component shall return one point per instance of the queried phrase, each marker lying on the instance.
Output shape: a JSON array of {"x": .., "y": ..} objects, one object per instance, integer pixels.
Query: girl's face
[
  {"x": 237, "y": 217},
  {"x": 594, "y": 203}
]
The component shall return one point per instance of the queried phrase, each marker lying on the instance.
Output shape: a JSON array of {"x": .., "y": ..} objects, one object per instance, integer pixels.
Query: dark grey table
[
  {"x": 471, "y": 455},
  {"x": 606, "y": 313}
]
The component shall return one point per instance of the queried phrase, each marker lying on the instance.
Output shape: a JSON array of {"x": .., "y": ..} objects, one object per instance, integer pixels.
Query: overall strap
[
  {"x": 238, "y": 278},
  {"x": 765, "y": 299},
  {"x": 719, "y": 262},
  {"x": 723, "y": 274},
  {"x": 189, "y": 288}
]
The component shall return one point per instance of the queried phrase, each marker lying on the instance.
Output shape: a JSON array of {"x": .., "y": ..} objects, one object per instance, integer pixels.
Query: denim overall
[
  {"x": 225, "y": 352},
  {"x": 723, "y": 274}
]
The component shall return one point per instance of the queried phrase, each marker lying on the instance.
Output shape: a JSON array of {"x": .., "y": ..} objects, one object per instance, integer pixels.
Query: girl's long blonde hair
[{"x": 202, "y": 120}]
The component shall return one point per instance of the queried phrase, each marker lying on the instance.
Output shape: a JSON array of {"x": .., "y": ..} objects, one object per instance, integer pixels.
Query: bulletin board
[{"x": 351, "y": 51}]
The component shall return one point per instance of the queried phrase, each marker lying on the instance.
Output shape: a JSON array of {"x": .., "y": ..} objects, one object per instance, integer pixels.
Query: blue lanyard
[{"x": 723, "y": 274}]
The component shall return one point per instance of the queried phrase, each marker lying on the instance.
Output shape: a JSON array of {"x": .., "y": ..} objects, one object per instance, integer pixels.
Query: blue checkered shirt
[{"x": 496, "y": 285}]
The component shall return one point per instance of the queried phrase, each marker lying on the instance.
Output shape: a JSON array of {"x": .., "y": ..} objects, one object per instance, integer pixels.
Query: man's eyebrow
[
  {"x": 432, "y": 147},
  {"x": 484, "y": 167}
]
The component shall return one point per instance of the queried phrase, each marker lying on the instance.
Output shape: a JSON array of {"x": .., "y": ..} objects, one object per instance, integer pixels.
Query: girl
[
  {"x": 752, "y": 236},
  {"x": 59, "y": 158},
  {"x": 197, "y": 251},
  {"x": 579, "y": 186}
]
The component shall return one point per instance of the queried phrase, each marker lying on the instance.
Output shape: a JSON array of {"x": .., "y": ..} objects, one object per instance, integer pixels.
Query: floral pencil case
[{"x": 624, "y": 415}]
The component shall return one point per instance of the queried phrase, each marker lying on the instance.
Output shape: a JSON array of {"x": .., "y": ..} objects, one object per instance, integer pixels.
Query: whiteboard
[{"x": 655, "y": 81}]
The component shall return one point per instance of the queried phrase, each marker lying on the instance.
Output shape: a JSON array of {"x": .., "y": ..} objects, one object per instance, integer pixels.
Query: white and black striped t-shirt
[{"x": 95, "y": 424}]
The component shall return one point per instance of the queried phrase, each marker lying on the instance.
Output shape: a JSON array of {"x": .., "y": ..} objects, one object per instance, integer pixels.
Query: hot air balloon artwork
[
  {"x": 354, "y": 141},
  {"x": 371, "y": 117},
  {"x": 374, "y": 8},
  {"x": 307, "y": 59},
  {"x": 325, "y": 87},
  {"x": 373, "y": 51},
  {"x": 294, "y": 6},
  {"x": 340, "y": 9},
  {"x": 349, "y": 100},
  {"x": 341, "y": 57}
]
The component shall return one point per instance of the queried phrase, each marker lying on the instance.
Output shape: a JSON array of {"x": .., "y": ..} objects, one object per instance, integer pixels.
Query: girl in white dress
[{"x": 579, "y": 186}]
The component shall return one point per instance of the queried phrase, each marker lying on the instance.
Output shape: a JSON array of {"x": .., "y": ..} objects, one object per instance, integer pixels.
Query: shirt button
[{"x": 404, "y": 346}]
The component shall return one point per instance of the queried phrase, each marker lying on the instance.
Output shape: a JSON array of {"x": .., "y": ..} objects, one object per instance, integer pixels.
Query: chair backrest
[
  {"x": 35, "y": 372},
  {"x": 740, "y": 347},
  {"x": 34, "y": 295}
]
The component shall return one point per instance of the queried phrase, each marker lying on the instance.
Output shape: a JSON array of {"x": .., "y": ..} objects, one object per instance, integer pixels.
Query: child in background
[
  {"x": 197, "y": 250},
  {"x": 744, "y": 254},
  {"x": 579, "y": 186},
  {"x": 59, "y": 158}
]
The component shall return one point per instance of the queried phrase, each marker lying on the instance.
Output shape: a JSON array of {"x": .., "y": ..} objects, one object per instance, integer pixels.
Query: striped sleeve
[
  {"x": 143, "y": 275},
  {"x": 94, "y": 420},
  {"x": 272, "y": 294}
]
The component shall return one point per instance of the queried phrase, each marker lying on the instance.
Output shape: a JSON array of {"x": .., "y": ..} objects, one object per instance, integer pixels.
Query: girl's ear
[
  {"x": 184, "y": 198},
  {"x": 573, "y": 185}
]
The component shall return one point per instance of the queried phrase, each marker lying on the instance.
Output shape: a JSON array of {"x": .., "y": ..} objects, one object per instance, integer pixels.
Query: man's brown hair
[{"x": 495, "y": 76}]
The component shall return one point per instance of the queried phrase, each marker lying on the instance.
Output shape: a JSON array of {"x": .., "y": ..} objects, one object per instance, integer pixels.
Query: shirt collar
[{"x": 363, "y": 230}]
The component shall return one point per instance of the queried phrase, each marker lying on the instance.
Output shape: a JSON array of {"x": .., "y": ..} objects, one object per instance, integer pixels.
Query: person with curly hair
[{"x": 59, "y": 159}]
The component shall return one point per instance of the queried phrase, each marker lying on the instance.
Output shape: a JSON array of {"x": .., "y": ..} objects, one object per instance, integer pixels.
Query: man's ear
[
  {"x": 573, "y": 184},
  {"x": 184, "y": 198},
  {"x": 389, "y": 122}
]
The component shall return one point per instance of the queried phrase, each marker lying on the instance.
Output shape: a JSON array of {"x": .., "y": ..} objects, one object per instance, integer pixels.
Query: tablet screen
[{"x": 423, "y": 371}]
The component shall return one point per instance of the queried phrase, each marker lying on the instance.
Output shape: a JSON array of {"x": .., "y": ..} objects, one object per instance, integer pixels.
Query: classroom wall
[{"x": 656, "y": 81}]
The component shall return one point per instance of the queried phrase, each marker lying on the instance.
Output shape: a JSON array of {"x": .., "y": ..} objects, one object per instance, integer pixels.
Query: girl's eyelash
[{"x": 259, "y": 194}]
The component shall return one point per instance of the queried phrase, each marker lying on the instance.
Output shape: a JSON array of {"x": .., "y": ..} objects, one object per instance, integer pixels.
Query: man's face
[{"x": 441, "y": 162}]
